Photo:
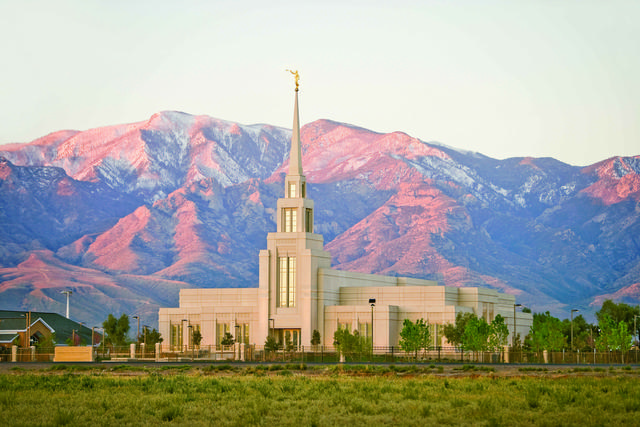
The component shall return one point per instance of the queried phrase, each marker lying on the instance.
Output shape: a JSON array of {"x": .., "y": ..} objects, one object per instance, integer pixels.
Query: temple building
[{"x": 299, "y": 292}]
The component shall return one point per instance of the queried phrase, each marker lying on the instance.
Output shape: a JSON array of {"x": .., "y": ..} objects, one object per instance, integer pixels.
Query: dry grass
[{"x": 300, "y": 395}]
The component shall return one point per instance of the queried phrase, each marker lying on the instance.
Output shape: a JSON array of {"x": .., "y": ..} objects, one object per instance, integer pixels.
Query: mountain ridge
[{"x": 189, "y": 200}]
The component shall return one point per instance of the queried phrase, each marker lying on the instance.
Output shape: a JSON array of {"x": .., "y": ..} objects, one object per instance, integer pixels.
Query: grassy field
[{"x": 323, "y": 396}]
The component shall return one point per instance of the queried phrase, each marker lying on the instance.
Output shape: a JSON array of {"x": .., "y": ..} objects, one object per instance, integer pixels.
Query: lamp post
[
  {"x": 138, "y": 335},
  {"x": 513, "y": 341},
  {"x": 574, "y": 310},
  {"x": 635, "y": 332},
  {"x": 68, "y": 294},
  {"x": 372, "y": 302},
  {"x": 145, "y": 332},
  {"x": 182, "y": 331}
]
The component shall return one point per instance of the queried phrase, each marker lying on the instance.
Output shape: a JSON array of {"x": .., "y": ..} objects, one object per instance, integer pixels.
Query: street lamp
[
  {"x": 635, "y": 332},
  {"x": 513, "y": 340},
  {"x": 92, "y": 338},
  {"x": 372, "y": 302},
  {"x": 68, "y": 294},
  {"x": 145, "y": 332},
  {"x": 574, "y": 310},
  {"x": 182, "y": 331},
  {"x": 138, "y": 335}
]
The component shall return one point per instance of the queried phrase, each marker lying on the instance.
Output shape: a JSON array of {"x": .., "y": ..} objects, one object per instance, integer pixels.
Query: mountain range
[{"x": 126, "y": 215}]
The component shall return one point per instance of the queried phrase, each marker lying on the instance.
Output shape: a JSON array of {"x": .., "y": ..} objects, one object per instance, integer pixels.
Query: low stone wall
[{"x": 73, "y": 354}]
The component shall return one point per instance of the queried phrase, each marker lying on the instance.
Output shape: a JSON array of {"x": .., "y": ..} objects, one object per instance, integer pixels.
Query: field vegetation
[{"x": 320, "y": 395}]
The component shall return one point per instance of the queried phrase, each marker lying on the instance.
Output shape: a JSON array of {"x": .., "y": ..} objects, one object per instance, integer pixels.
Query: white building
[{"x": 299, "y": 292}]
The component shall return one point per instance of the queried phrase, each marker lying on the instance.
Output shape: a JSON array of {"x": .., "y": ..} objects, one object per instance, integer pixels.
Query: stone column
[
  {"x": 545, "y": 356},
  {"x": 14, "y": 353},
  {"x": 506, "y": 354},
  {"x": 158, "y": 351},
  {"x": 132, "y": 351},
  {"x": 33, "y": 353}
]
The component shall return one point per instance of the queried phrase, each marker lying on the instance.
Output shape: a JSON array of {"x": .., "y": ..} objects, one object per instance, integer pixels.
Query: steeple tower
[
  {"x": 289, "y": 266},
  {"x": 295, "y": 182},
  {"x": 295, "y": 161}
]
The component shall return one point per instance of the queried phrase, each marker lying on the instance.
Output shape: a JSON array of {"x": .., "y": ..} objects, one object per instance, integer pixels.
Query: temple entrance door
[{"x": 293, "y": 335}]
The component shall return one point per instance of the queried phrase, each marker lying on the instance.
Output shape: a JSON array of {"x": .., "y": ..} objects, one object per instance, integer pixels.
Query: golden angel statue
[{"x": 297, "y": 76}]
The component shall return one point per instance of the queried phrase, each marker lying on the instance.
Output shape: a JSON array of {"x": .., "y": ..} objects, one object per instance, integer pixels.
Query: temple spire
[{"x": 295, "y": 160}]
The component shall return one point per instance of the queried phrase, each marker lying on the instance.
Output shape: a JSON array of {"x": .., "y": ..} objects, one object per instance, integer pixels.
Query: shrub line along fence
[{"x": 326, "y": 354}]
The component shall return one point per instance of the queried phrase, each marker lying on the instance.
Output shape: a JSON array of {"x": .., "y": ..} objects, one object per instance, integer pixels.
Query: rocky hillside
[{"x": 126, "y": 215}]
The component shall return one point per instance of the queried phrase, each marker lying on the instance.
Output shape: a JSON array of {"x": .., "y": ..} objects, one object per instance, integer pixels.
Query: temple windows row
[
  {"x": 292, "y": 188},
  {"x": 290, "y": 220}
]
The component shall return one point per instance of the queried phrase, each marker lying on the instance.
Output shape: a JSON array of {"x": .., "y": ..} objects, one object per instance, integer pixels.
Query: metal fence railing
[{"x": 327, "y": 354}]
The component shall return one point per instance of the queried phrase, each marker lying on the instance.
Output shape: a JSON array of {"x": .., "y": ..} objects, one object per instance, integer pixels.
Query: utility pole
[
  {"x": 513, "y": 341},
  {"x": 572, "y": 311}
]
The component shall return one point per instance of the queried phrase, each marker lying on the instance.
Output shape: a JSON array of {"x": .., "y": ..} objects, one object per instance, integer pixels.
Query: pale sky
[{"x": 505, "y": 78}]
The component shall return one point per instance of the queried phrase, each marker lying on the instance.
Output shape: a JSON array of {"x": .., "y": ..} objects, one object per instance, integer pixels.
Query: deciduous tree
[
  {"x": 116, "y": 329},
  {"x": 414, "y": 336},
  {"x": 455, "y": 332}
]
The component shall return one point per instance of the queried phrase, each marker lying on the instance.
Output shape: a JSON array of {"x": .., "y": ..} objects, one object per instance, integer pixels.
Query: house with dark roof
[{"x": 16, "y": 326}]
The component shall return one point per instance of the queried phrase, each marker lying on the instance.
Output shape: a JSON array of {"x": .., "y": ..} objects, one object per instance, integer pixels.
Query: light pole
[
  {"x": 635, "y": 332},
  {"x": 145, "y": 332},
  {"x": 372, "y": 302},
  {"x": 138, "y": 335},
  {"x": 513, "y": 341},
  {"x": 574, "y": 310},
  {"x": 182, "y": 331},
  {"x": 68, "y": 294}
]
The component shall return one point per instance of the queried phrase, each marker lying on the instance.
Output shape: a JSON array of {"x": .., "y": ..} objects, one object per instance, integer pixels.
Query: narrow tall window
[
  {"x": 287, "y": 281},
  {"x": 290, "y": 220},
  {"x": 292, "y": 190},
  {"x": 308, "y": 221},
  {"x": 221, "y": 330}
]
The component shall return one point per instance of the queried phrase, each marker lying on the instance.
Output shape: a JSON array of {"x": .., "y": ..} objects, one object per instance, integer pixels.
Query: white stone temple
[{"x": 299, "y": 292}]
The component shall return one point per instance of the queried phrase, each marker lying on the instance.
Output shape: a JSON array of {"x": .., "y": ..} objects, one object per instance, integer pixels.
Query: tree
[
  {"x": 414, "y": 336},
  {"x": 454, "y": 333},
  {"x": 271, "y": 344},
  {"x": 476, "y": 335},
  {"x": 498, "y": 334},
  {"x": 613, "y": 335},
  {"x": 545, "y": 333},
  {"x": 116, "y": 329},
  {"x": 227, "y": 339},
  {"x": 288, "y": 344},
  {"x": 347, "y": 343},
  {"x": 581, "y": 332},
  {"x": 315, "y": 338},
  {"x": 619, "y": 312},
  {"x": 151, "y": 337},
  {"x": 196, "y": 338}
]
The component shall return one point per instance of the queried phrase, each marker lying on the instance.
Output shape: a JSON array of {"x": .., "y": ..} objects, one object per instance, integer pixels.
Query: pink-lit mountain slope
[
  {"x": 36, "y": 284},
  {"x": 190, "y": 199}
]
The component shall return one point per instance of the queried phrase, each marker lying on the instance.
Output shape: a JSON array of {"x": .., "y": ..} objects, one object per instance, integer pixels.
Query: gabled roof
[
  {"x": 15, "y": 321},
  {"x": 7, "y": 338}
]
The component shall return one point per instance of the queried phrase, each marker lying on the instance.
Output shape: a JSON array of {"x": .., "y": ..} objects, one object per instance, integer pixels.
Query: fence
[{"x": 325, "y": 354}]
